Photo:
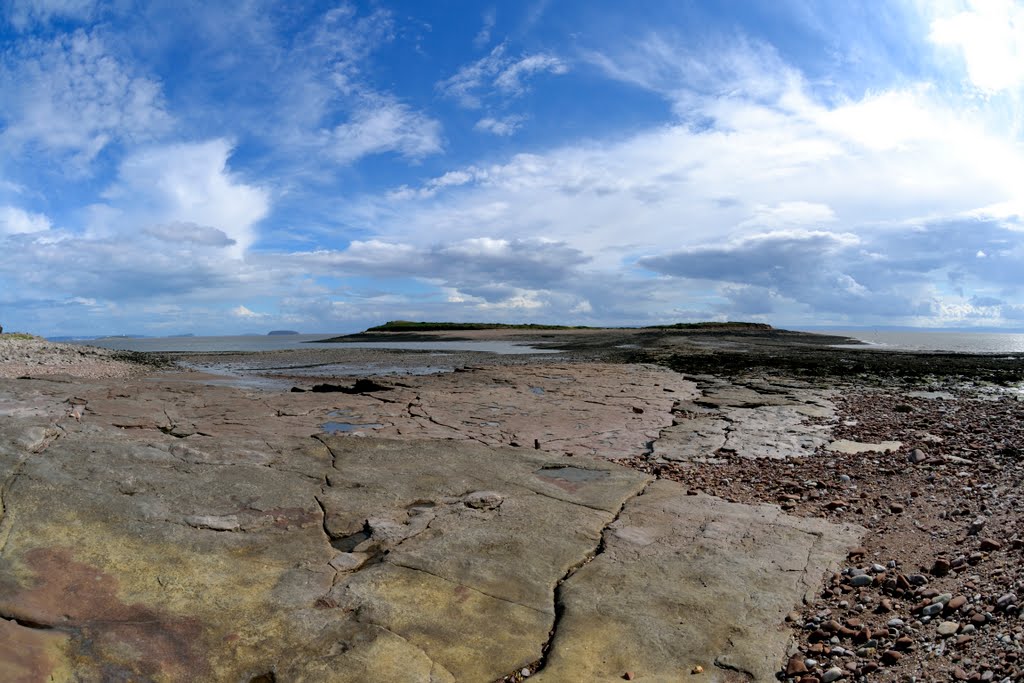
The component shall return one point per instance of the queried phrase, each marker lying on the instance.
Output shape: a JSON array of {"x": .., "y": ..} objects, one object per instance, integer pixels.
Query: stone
[
  {"x": 796, "y": 665},
  {"x": 347, "y": 562},
  {"x": 483, "y": 500},
  {"x": 948, "y": 628},
  {"x": 860, "y": 581},
  {"x": 956, "y": 603},
  {"x": 856, "y": 447},
  {"x": 916, "y": 456},
  {"x": 832, "y": 674},
  {"x": 990, "y": 544},
  {"x": 940, "y": 567},
  {"x": 715, "y": 548},
  {"x": 891, "y": 657}
]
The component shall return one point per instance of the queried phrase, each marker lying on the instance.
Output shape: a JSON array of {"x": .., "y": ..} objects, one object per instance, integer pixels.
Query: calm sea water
[
  {"x": 963, "y": 342},
  {"x": 295, "y": 341}
]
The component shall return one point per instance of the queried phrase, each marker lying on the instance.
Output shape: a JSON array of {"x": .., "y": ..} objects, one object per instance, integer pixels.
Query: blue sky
[{"x": 225, "y": 167}]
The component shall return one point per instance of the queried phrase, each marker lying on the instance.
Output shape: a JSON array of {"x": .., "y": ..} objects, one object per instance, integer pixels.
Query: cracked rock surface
[
  {"x": 759, "y": 419},
  {"x": 707, "y": 582},
  {"x": 159, "y": 528}
]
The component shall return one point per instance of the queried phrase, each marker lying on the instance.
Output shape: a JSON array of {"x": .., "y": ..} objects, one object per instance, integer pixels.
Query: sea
[
  {"x": 898, "y": 340},
  {"x": 956, "y": 341},
  {"x": 286, "y": 342}
]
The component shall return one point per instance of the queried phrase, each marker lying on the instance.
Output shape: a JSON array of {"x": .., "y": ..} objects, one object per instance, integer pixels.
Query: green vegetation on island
[{"x": 410, "y": 326}]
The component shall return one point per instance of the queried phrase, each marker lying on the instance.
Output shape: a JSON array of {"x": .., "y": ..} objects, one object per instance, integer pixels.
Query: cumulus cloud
[
  {"x": 489, "y": 269},
  {"x": 14, "y": 221},
  {"x": 880, "y": 273},
  {"x": 187, "y": 183},
  {"x": 73, "y": 95},
  {"x": 190, "y": 232},
  {"x": 989, "y": 34},
  {"x": 245, "y": 313}
]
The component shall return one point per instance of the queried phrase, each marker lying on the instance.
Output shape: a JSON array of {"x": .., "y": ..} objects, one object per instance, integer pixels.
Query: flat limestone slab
[
  {"x": 687, "y": 581},
  {"x": 854, "y": 447}
]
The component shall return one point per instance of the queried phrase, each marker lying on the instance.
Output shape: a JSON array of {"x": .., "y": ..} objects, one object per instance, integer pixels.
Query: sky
[{"x": 214, "y": 167}]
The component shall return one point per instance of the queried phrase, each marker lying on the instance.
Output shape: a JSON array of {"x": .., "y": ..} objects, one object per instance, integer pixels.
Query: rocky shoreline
[{"x": 614, "y": 511}]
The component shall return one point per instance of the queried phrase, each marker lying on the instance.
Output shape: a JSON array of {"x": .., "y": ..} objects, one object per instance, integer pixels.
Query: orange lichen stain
[
  {"x": 30, "y": 655},
  {"x": 120, "y": 639}
]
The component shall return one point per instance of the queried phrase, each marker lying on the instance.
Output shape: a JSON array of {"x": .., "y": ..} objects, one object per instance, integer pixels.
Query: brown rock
[
  {"x": 628, "y": 676},
  {"x": 940, "y": 567},
  {"x": 891, "y": 657},
  {"x": 904, "y": 643},
  {"x": 989, "y": 544},
  {"x": 796, "y": 665},
  {"x": 956, "y": 603}
]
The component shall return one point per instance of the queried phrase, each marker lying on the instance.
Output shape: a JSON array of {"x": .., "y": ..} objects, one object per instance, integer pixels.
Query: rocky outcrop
[{"x": 163, "y": 529}]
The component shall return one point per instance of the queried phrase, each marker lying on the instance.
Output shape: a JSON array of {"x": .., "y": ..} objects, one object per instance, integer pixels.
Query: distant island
[
  {"x": 410, "y": 326},
  {"x": 274, "y": 333}
]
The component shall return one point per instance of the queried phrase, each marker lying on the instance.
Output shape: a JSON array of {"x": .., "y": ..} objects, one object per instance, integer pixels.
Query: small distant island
[{"x": 275, "y": 333}]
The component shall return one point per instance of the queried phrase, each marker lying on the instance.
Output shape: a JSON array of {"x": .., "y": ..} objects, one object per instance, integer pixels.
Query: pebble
[
  {"x": 860, "y": 581},
  {"x": 833, "y": 674},
  {"x": 796, "y": 665},
  {"x": 957, "y": 602},
  {"x": 989, "y": 544},
  {"x": 891, "y": 657},
  {"x": 948, "y": 628},
  {"x": 916, "y": 456}
]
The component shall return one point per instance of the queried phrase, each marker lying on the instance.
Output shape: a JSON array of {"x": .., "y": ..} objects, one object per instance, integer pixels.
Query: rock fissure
[
  {"x": 26, "y": 623},
  {"x": 392, "y": 562},
  {"x": 559, "y": 607}
]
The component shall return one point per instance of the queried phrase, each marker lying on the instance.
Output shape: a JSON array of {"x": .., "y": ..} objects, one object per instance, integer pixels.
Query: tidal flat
[{"x": 708, "y": 504}]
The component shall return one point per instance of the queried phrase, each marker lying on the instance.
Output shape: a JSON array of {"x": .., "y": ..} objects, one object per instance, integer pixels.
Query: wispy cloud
[
  {"x": 24, "y": 13},
  {"x": 483, "y": 37},
  {"x": 503, "y": 126},
  {"x": 498, "y": 74},
  {"x": 382, "y": 124}
]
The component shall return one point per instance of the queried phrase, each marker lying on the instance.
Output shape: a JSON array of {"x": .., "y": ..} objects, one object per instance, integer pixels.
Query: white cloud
[
  {"x": 483, "y": 37},
  {"x": 243, "y": 312},
  {"x": 73, "y": 95},
  {"x": 18, "y": 221},
  {"x": 497, "y": 74},
  {"x": 188, "y": 183},
  {"x": 786, "y": 214},
  {"x": 511, "y": 78},
  {"x": 990, "y": 37},
  {"x": 504, "y": 126},
  {"x": 385, "y": 125}
]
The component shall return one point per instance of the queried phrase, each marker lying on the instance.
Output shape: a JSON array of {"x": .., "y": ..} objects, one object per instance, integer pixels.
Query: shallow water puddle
[{"x": 342, "y": 427}]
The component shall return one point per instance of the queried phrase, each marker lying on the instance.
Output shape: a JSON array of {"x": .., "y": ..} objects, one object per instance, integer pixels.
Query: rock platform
[{"x": 161, "y": 528}]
